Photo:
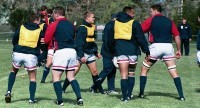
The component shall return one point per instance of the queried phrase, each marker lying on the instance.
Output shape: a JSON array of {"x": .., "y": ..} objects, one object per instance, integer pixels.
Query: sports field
[{"x": 160, "y": 89}]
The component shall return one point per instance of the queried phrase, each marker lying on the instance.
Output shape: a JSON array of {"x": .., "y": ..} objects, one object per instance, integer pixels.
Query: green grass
[{"x": 160, "y": 90}]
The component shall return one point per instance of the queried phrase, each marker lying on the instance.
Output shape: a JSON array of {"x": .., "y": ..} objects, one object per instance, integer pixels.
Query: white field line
[{"x": 23, "y": 72}]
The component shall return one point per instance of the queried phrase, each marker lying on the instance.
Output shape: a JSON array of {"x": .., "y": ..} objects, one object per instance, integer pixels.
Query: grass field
[{"x": 160, "y": 90}]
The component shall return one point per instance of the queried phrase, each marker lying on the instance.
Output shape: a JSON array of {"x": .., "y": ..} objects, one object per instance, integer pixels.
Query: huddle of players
[{"x": 123, "y": 38}]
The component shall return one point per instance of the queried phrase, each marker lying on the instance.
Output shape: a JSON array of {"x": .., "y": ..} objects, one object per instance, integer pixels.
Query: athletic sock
[
  {"x": 11, "y": 80},
  {"x": 58, "y": 90},
  {"x": 45, "y": 73},
  {"x": 32, "y": 89},
  {"x": 177, "y": 82},
  {"x": 76, "y": 88},
  {"x": 124, "y": 88},
  {"x": 131, "y": 82},
  {"x": 66, "y": 84},
  {"x": 143, "y": 80}
]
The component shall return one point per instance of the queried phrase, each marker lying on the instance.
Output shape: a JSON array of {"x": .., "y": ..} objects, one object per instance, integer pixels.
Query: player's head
[
  {"x": 58, "y": 11},
  {"x": 34, "y": 17},
  {"x": 129, "y": 10},
  {"x": 89, "y": 17},
  {"x": 49, "y": 12},
  {"x": 156, "y": 9},
  {"x": 44, "y": 8},
  {"x": 184, "y": 20}
]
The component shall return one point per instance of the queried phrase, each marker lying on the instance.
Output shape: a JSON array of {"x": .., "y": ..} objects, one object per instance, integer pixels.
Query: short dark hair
[
  {"x": 49, "y": 11},
  {"x": 87, "y": 14},
  {"x": 33, "y": 16},
  {"x": 43, "y": 8},
  {"x": 59, "y": 10},
  {"x": 127, "y": 8},
  {"x": 157, "y": 7}
]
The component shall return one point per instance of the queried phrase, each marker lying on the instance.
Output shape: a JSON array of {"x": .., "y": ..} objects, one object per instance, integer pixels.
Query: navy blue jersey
[
  {"x": 61, "y": 33},
  {"x": 129, "y": 47},
  {"x": 82, "y": 46},
  {"x": 185, "y": 31}
]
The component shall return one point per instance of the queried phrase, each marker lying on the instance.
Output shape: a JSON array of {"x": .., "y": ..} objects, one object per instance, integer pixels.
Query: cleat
[
  {"x": 130, "y": 97},
  {"x": 91, "y": 89},
  {"x": 110, "y": 92},
  {"x": 32, "y": 101},
  {"x": 141, "y": 96},
  {"x": 124, "y": 100},
  {"x": 42, "y": 81},
  {"x": 8, "y": 97},
  {"x": 60, "y": 103},
  {"x": 80, "y": 102},
  {"x": 182, "y": 99}
]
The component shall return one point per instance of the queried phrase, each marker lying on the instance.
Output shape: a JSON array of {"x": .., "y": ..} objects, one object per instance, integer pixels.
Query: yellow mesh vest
[
  {"x": 29, "y": 38},
  {"x": 123, "y": 30},
  {"x": 90, "y": 33},
  {"x": 42, "y": 26}
]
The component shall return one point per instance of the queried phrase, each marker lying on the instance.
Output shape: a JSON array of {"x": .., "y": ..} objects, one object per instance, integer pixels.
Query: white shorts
[
  {"x": 163, "y": 51},
  {"x": 50, "y": 52},
  {"x": 65, "y": 59},
  {"x": 198, "y": 57},
  {"x": 132, "y": 59},
  {"x": 28, "y": 60},
  {"x": 89, "y": 58}
]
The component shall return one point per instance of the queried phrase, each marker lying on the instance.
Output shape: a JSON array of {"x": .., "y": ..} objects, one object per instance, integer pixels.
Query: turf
[{"x": 160, "y": 90}]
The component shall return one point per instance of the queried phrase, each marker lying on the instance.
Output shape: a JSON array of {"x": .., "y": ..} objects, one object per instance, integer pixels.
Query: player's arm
[
  {"x": 140, "y": 38},
  {"x": 146, "y": 25},
  {"x": 80, "y": 41},
  {"x": 177, "y": 39},
  {"x": 108, "y": 37},
  {"x": 48, "y": 37},
  {"x": 15, "y": 38}
]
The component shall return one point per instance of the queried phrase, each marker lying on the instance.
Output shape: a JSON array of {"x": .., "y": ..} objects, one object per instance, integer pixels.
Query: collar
[
  {"x": 86, "y": 23},
  {"x": 61, "y": 19}
]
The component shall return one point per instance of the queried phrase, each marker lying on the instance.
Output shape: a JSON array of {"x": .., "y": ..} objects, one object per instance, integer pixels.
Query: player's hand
[
  {"x": 42, "y": 40},
  {"x": 83, "y": 60},
  {"x": 190, "y": 39},
  {"x": 98, "y": 56},
  {"x": 148, "y": 57},
  {"x": 178, "y": 54}
]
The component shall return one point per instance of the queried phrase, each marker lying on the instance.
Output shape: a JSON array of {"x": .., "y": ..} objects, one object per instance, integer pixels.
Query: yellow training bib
[
  {"x": 29, "y": 38},
  {"x": 123, "y": 30},
  {"x": 90, "y": 33}
]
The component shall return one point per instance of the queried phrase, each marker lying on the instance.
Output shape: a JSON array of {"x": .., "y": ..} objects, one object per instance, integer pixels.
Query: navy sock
[
  {"x": 76, "y": 88},
  {"x": 97, "y": 83},
  {"x": 11, "y": 80},
  {"x": 32, "y": 89},
  {"x": 94, "y": 78},
  {"x": 58, "y": 90},
  {"x": 131, "y": 82},
  {"x": 143, "y": 80},
  {"x": 178, "y": 84},
  {"x": 45, "y": 73},
  {"x": 66, "y": 84},
  {"x": 124, "y": 88}
]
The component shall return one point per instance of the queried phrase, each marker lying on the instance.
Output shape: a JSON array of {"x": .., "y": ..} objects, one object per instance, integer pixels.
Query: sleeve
[
  {"x": 175, "y": 31},
  {"x": 140, "y": 38},
  {"x": 189, "y": 31},
  {"x": 15, "y": 38},
  {"x": 146, "y": 25},
  {"x": 198, "y": 41},
  {"x": 48, "y": 37},
  {"x": 108, "y": 37},
  {"x": 80, "y": 40}
]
